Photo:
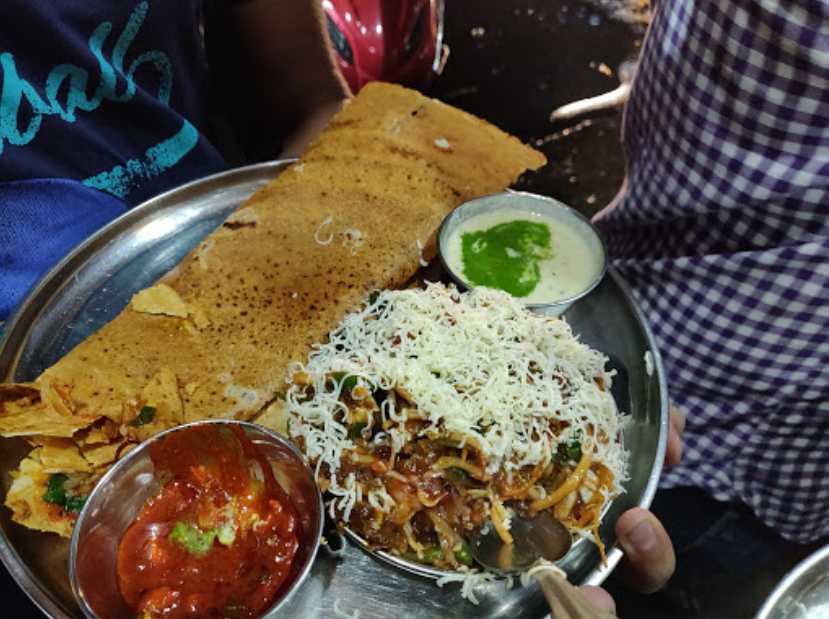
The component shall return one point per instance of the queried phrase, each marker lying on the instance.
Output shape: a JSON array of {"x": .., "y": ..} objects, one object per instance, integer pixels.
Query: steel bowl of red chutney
[{"x": 214, "y": 518}]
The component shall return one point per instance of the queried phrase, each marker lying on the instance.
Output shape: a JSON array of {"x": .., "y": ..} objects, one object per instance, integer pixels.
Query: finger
[
  {"x": 298, "y": 141},
  {"x": 677, "y": 416},
  {"x": 673, "y": 451},
  {"x": 599, "y": 598},
  {"x": 676, "y": 426},
  {"x": 649, "y": 553}
]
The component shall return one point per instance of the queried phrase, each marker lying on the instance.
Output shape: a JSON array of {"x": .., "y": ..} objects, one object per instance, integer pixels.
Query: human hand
[
  {"x": 276, "y": 72},
  {"x": 309, "y": 128},
  {"x": 649, "y": 554},
  {"x": 673, "y": 452}
]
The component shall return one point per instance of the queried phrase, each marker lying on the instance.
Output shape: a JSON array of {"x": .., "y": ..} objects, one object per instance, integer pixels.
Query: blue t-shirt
[{"x": 102, "y": 105}]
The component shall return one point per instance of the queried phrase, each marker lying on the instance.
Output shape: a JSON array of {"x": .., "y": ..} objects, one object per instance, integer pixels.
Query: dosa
[{"x": 214, "y": 337}]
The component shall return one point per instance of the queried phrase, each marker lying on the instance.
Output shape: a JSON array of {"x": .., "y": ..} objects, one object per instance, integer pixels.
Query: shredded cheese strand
[{"x": 325, "y": 222}]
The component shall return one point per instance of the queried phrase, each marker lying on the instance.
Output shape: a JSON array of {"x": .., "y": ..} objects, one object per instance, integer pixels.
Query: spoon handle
[{"x": 565, "y": 600}]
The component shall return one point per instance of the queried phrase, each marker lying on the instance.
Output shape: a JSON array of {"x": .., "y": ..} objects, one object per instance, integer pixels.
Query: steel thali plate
[
  {"x": 93, "y": 283},
  {"x": 803, "y": 593}
]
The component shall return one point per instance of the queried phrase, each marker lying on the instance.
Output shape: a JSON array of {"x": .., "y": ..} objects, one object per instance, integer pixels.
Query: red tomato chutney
[{"x": 219, "y": 538}]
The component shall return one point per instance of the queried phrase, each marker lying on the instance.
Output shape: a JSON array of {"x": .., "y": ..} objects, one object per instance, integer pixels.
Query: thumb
[
  {"x": 649, "y": 553},
  {"x": 598, "y": 598}
]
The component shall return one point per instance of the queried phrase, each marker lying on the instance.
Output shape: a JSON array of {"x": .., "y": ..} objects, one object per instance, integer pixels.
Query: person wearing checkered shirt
[{"x": 722, "y": 231}]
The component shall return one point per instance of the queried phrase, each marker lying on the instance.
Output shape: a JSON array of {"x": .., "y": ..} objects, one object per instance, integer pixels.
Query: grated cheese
[
  {"x": 470, "y": 581},
  {"x": 419, "y": 245},
  {"x": 353, "y": 239},
  {"x": 355, "y": 614},
  {"x": 542, "y": 565},
  {"x": 478, "y": 364},
  {"x": 325, "y": 222},
  {"x": 381, "y": 500}
]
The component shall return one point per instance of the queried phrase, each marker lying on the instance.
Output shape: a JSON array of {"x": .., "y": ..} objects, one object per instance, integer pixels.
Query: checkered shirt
[{"x": 722, "y": 229}]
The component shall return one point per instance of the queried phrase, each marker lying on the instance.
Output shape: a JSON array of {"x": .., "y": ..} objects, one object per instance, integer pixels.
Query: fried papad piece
[
  {"x": 102, "y": 431},
  {"x": 214, "y": 338},
  {"x": 60, "y": 455},
  {"x": 24, "y": 413},
  {"x": 30, "y": 482},
  {"x": 102, "y": 455}
]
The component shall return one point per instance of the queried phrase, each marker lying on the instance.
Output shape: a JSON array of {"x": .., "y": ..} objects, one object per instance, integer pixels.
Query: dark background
[{"x": 512, "y": 62}]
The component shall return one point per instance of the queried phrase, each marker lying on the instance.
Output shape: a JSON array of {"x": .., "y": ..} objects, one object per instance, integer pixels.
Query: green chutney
[{"x": 506, "y": 256}]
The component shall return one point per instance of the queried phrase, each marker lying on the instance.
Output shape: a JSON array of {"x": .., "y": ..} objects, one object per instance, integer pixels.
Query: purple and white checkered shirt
[{"x": 722, "y": 229}]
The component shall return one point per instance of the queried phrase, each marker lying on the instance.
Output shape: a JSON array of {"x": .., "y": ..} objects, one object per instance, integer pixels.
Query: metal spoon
[
  {"x": 608, "y": 100},
  {"x": 541, "y": 537}
]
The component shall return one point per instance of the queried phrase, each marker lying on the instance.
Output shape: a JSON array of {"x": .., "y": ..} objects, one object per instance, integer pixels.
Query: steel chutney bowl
[
  {"x": 533, "y": 205},
  {"x": 120, "y": 494}
]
